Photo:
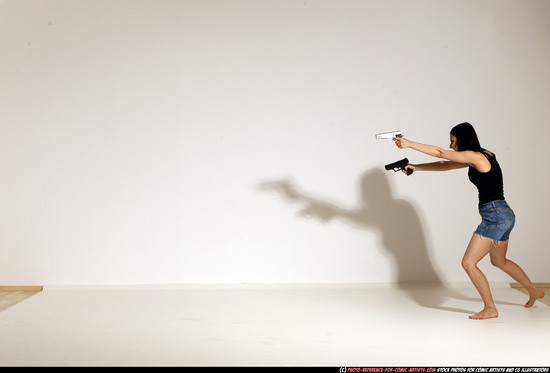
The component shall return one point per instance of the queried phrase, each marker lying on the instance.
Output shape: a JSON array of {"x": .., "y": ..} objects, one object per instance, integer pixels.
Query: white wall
[{"x": 135, "y": 136}]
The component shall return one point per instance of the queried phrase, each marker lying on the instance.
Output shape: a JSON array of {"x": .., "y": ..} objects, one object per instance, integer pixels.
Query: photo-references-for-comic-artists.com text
[{"x": 445, "y": 370}]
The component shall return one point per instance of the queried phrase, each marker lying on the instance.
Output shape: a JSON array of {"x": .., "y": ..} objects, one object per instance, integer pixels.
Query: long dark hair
[{"x": 466, "y": 137}]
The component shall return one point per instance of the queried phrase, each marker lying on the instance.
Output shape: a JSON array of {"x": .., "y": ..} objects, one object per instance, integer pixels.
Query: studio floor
[{"x": 273, "y": 325}]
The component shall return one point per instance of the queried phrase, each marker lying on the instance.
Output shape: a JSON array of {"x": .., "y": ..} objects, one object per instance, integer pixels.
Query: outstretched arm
[
  {"x": 436, "y": 166},
  {"x": 454, "y": 158}
]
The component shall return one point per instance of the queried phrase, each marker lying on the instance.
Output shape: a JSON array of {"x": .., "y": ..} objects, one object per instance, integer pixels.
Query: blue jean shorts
[{"x": 497, "y": 220}]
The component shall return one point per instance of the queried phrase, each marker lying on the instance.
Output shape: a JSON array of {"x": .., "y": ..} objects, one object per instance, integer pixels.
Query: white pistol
[{"x": 389, "y": 135}]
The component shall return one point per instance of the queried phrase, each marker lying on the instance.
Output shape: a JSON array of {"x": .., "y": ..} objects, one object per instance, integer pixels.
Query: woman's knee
[
  {"x": 468, "y": 265},
  {"x": 498, "y": 261},
  {"x": 498, "y": 254}
]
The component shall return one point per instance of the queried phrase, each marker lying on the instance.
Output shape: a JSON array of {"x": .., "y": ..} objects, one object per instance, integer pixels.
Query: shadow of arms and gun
[
  {"x": 320, "y": 210},
  {"x": 394, "y": 222}
]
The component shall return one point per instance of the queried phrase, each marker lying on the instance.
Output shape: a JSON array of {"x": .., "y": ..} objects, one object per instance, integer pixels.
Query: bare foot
[
  {"x": 487, "y": 313},
  {"x": 533, "y": 297}
]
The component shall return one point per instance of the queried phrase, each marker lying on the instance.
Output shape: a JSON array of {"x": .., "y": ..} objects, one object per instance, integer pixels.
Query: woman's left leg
[
  {"x": 498, "y": 259},
  {"x": 477, "y": 249}
]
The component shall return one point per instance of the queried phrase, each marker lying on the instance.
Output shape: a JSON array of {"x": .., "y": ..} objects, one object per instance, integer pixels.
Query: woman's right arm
[{"x": 436, "y": 166}]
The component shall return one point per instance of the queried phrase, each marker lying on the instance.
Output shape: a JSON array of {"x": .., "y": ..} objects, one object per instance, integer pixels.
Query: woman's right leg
[{"x": 477, "y": 249}]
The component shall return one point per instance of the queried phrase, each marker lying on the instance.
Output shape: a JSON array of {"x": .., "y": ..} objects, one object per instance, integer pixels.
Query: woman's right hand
[{"x": 401, "y": 142}]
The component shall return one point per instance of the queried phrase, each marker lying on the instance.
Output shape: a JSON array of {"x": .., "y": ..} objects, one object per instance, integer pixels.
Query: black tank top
[{"x": 489, "y": 184}]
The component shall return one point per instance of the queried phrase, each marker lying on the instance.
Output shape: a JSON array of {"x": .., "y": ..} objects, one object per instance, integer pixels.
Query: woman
[{"x": 491, "y": 236}]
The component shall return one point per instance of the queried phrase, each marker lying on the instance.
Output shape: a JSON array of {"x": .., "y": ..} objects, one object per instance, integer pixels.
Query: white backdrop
[{"x": 157, "y": 141}]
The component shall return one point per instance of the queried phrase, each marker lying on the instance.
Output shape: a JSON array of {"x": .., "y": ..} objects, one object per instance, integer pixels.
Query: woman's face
[{"x": 453, "y": 143}]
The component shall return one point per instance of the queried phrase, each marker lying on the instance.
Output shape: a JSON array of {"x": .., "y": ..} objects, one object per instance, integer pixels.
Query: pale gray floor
[{"x": 270, "y": 325}]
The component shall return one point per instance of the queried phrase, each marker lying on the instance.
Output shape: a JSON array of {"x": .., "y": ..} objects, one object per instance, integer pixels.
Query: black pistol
[{"x": 399, "y": 165}]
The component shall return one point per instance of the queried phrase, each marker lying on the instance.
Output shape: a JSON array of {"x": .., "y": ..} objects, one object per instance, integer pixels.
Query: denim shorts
[{"x": 497, "y": 220}]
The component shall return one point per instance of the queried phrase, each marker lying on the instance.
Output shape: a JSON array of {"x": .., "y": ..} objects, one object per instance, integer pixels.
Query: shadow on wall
[{"x": 398, "y": 228}]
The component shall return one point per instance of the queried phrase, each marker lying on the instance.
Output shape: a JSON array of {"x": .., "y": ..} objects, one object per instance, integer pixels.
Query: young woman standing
[{"x": 491, "y": 236}]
